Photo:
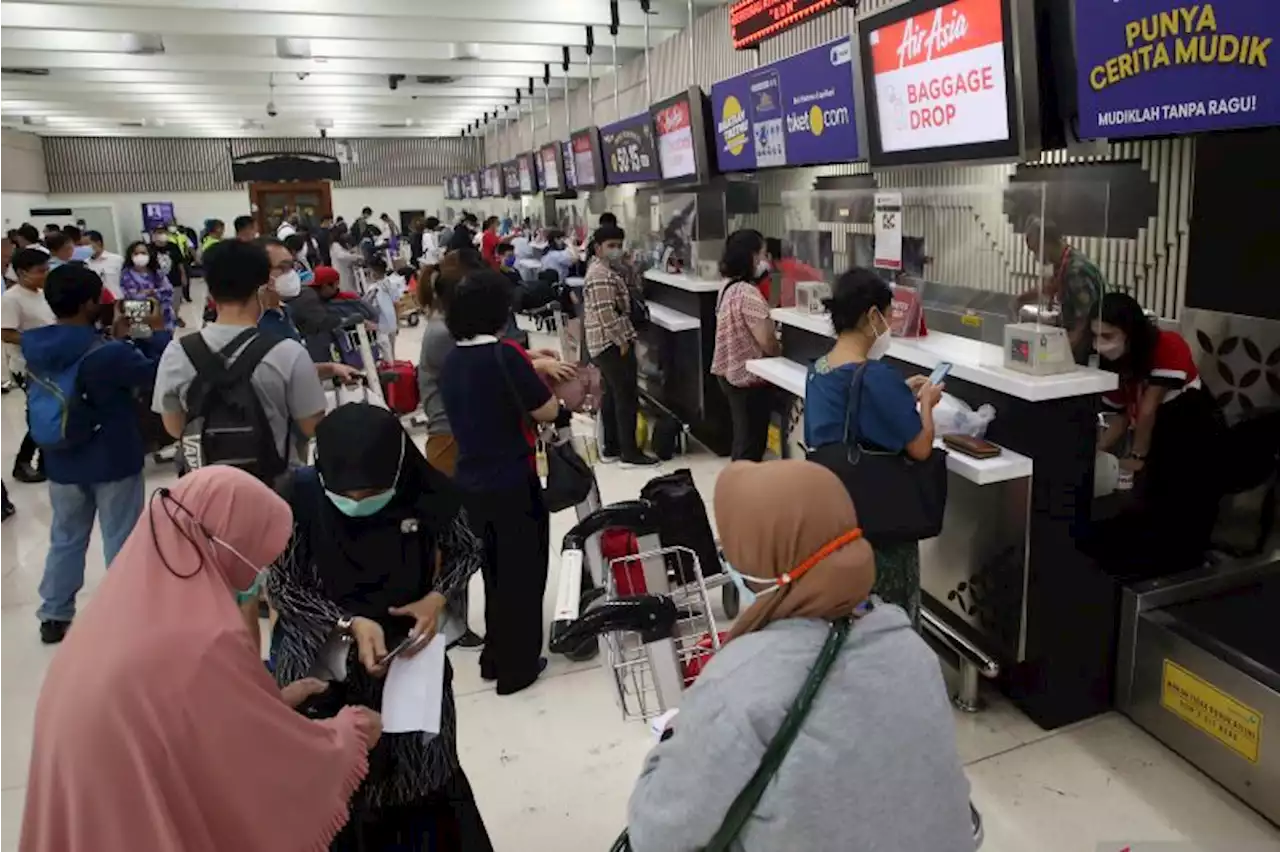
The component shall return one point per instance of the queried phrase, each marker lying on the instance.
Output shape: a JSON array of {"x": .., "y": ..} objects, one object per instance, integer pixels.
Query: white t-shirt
[
  {"x": 108, "y": 265},
  {"x": 22, "y": 310}
]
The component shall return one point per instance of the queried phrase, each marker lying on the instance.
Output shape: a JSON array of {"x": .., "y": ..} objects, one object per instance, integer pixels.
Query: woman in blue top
[{"x": 887, "y": 416}]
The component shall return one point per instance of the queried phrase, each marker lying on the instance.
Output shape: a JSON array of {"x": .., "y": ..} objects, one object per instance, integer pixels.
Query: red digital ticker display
[{"x": 753, "y": 21}]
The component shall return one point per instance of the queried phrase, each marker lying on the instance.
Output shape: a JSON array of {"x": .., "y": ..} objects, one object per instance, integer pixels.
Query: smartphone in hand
[
  {"x": 397, "y": 650},
  {"x": 939, "y": 372}
]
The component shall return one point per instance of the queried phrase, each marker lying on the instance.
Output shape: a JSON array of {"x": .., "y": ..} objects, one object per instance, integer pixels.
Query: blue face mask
[
  {"x": 367, "y": 506},
  {"x": 362, "y": 508},
  {"x": 747, "y": 597}
]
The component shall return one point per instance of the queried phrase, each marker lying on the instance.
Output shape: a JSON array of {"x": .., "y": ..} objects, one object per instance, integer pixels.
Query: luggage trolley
[{"x": 657, "y": 641}]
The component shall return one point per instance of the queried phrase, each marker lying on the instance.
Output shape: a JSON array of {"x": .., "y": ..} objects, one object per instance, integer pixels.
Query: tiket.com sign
[
  {"x": 1168, "y": 67},
  {"x": 940, "y": 79}
]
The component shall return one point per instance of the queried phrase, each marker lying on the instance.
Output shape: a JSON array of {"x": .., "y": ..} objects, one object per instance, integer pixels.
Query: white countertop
[
  {"x": 670, "y": 319},
  {"x": 685, "y": 282},
  {"x": 790, "y": 376},
  {"x": 971, "y": 360}
]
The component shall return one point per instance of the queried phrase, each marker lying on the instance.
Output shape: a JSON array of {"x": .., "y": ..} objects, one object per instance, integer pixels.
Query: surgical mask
[
  {"x": 250, "y": 593},
  {"x": 288, "y": 285},
  {"x": 367, "y": 506},
  {"x": 880, "y": 346},
  {"x": 141, "y": 260},
  {"x": 81, "y": 253},
  {"x": 762, "y": 268},
  {"x": 1111, "y": 350},
  {"x": 613, "y": 255},
  {"x": 746, "y": 597},
  {"x": 509, "y": 261}
]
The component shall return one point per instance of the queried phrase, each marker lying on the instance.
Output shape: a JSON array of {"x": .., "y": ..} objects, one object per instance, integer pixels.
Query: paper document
[{"x": 414, "y": 692}]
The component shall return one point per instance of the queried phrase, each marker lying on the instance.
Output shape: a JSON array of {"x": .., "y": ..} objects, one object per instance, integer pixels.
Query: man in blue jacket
[{"x": 101, "y": 474}]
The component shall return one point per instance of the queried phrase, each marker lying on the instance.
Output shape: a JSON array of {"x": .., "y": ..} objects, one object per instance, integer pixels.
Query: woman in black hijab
[{"x": 369, "y": 519}]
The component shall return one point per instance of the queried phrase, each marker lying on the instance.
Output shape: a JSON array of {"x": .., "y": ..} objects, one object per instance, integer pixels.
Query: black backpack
[
  {"x": 682, "y": 520},
  {"x": 226, "y": 423}
]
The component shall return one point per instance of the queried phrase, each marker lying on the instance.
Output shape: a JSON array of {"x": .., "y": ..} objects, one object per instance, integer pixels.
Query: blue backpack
[{"x": 59, "y": 414}]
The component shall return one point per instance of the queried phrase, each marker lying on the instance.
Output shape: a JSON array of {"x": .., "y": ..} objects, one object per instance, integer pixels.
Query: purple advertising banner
[
  {"x": 1158, "y": 67},
  {"x": 629, "y": 152},
  {"x": 797, "y": 111}
]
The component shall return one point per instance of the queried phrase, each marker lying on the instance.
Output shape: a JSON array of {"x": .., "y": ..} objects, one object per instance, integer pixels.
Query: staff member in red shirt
[
  {"x": 489, "y": 240},
  {"x": 1174, "y": 433}
]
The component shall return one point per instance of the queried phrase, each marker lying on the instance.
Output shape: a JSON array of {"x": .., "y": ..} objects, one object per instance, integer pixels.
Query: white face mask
[
  {"x": 141, "y": 260},
  {"x": 879, "y": 346},
  {"x": 289, "y": 285},
  {"x": 1112, "y": 350},
  {"x": 762, "y": 268}
]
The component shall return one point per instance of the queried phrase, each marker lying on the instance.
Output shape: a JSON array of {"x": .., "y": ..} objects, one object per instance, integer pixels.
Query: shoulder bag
[
  {"x": 898, "y": 499},
  {"x": 569, "y": 478},
  {"x": 745, "y": 804}
]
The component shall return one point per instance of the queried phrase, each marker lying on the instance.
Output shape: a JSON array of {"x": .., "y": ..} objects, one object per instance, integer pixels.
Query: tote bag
[
  {"x": 898, "y": 499},
  {"x": 569, "y": 478}
]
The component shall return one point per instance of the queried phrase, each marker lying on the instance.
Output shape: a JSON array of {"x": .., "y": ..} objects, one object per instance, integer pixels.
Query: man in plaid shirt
[{"x": 611, "y": 338}]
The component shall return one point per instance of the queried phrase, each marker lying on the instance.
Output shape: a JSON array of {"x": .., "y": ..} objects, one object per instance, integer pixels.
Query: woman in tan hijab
[{"x": 874, "y": 763}]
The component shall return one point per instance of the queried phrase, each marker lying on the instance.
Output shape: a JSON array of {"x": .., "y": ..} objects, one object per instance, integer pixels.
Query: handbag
[
  {"x": 745, "y": 803},
  {"x": 898, "y": 499},
  {"x": 569, "y": 478}
]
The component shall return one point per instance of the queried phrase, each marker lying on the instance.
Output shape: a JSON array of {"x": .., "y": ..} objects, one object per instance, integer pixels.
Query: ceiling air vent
[
  {"x": 26, "y": 72},
  {"x": 434, "y": 80}
]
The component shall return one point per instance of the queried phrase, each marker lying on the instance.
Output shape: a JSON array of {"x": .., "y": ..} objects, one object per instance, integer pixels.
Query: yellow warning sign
[
  {"x": 971, "y": 319},
  {"x": 1201, "y": 704}
]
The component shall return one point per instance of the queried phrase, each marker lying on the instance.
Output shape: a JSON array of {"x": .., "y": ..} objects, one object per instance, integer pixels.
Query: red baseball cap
[{"x": 323, "y": 275}]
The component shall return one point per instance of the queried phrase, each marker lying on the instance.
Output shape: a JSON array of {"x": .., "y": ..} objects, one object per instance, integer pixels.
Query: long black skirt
[{"x": 447, "y": 820}]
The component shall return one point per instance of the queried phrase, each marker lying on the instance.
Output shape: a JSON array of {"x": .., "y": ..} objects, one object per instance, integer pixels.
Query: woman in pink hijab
[{"x": 158, "y": 728}]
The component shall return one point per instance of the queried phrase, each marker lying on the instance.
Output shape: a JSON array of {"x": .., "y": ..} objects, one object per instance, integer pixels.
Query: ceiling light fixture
[
  {"x": 142, "y": 44},
  {"x": 293, "y": 48}
]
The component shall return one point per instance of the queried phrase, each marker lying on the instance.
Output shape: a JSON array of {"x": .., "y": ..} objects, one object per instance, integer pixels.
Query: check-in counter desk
[
  {"x": 675, "y": 355},
  {"x": 1005, "y": 573}
]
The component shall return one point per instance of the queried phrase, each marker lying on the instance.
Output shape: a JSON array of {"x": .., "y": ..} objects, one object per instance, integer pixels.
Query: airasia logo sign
[
  {"x": 944, "y": 33},
  {"x": 673, "y": 118}
]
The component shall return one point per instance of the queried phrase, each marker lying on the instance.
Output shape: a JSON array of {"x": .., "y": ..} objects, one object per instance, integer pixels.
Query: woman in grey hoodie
[{"x": 874, "y": 765}]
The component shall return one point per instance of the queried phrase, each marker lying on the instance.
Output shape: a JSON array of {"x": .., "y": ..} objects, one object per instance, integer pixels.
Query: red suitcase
[{"x": 400, "y": 385}]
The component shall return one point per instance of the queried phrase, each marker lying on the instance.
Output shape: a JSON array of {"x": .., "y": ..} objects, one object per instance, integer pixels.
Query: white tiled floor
[{"x": 553, "y": 766}]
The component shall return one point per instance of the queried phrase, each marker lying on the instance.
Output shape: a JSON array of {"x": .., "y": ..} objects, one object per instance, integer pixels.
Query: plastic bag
[{"x": 953, "y": 416}]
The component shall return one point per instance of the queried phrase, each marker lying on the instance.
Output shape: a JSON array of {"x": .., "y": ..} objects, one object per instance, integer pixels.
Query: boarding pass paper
[{"x": 414, "y": 691}]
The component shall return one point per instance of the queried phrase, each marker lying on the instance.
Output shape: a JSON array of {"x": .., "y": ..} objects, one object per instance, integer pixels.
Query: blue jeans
[{"x": 118, "y": 506}]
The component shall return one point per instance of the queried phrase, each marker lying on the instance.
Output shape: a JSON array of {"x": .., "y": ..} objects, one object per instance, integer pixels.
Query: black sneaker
[
  {"x": 639, "y": 460},
  {"x": 27, "y": 473},
  {"x": 53, "y": 632},
  {"x": 470, "y": 640}
]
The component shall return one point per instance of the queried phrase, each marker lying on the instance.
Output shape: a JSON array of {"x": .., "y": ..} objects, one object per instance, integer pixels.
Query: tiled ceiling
[{"x": 212, "y": 67}]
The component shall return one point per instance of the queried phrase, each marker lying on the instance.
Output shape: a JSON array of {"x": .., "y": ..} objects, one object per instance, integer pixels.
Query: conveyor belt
[{"x": 1238, "y": 626}]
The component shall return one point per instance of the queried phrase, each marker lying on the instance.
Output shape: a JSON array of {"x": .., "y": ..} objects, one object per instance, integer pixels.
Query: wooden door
[{"x": 309, "y": 199}]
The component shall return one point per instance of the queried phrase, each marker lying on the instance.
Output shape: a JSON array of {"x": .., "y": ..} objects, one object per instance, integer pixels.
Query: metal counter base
[{"x": 1199, "y": 669}]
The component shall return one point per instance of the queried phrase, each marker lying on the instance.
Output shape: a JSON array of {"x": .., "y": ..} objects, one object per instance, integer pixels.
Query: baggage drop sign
[{"x": 940, "y": 77}]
